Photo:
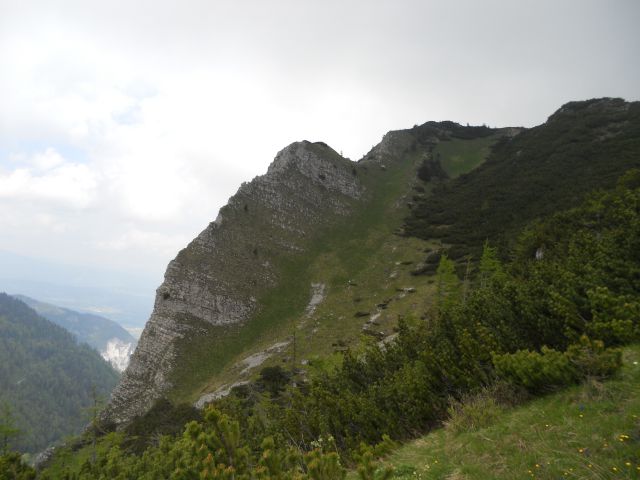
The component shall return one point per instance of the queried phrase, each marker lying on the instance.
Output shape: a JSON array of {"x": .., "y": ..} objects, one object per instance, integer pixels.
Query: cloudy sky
[{"x": 126, "y": 125}]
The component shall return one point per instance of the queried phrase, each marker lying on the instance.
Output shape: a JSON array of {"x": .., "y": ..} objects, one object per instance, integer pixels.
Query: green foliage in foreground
[
  {"x": 216, "y": 449},
  {"x": 589, "y": 431},
  {"x": 13, "y": 468},
  {"x": 527, "y": 328},
  {"x": 540, "y": 371}
]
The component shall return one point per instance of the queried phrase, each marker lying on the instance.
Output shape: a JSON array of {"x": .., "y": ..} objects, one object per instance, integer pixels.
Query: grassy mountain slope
[
  {"x": 431, "y": 182},
  {"x": 332, "y": 258},
  {"x": 46, "y": 378},
  {"x": 590, "y": 431},
  {"x": 360, "y": 264},
  {"x": 459, "y": 156}
]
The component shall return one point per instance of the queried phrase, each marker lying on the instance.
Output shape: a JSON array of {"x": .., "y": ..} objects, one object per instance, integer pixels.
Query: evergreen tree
[
  {"x": 46, "y": 376},
  {"x": 8, "y": 429},
  {"x": 448, "y": 283},
  {"x": 490, "y": 267}
]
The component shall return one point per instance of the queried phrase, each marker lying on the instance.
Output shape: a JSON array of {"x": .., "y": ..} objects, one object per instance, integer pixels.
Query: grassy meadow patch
[{"x": 591, "y": 431}]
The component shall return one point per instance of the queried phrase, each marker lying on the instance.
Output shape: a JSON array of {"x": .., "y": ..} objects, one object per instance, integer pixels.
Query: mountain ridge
[{"x": 583, "y": 146}]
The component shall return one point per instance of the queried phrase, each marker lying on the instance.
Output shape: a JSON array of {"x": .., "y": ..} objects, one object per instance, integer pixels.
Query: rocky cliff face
[{"x": 217, "y": 278}]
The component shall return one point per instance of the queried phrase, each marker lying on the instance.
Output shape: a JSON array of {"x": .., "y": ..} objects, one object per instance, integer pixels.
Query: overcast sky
[{"x": 126, "y": 125}]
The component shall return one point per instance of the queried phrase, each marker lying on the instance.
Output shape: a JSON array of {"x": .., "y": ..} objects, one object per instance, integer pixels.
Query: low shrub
[
  {"x": 536, "y": 371},
  {"x": 548, "y": 369},
  {"x": 592, "y": 359},
  {"x": 472, "y": 412}
]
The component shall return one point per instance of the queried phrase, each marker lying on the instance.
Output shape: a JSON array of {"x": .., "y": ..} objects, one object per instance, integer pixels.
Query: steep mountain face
[
  {"x": 319, "y": 251},
  {"x": 46, "y": 378},
  {"x": 113, "y": 342},
  {"x": 216, "y": 280}
]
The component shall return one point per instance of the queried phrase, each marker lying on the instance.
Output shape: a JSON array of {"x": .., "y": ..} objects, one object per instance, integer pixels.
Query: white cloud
[
  {"x": 46, "y": 160},
  {"x": 49, "y": 178},
  {"x": 157, "y": 242}
]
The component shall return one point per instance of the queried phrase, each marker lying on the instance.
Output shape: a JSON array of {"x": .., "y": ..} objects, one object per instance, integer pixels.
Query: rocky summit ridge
[{"x": 215, "y": 280}]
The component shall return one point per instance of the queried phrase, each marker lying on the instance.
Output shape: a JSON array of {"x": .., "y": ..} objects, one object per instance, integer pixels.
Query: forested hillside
[
  {"x": 584, "y": 145},
  {"x": 47, "y": 379},
  {"x": 113, "y": 342}
]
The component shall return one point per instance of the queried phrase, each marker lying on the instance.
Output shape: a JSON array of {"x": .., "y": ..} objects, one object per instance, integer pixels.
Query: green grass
[
  {"x": 459, "y": 156},
  {"x": 590, "y": 431}
]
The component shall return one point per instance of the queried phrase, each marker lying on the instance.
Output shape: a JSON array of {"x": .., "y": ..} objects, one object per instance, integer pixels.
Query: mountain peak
[
  {"x": 594, "y": 106},
  {"x": 318, "y": 162}
]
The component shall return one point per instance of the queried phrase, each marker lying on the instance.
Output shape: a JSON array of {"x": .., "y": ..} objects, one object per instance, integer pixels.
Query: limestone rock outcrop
[{"x": 218, "y": 277}]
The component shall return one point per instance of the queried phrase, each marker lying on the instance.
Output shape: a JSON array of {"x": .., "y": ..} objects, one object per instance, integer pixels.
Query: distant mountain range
[
  {"x": 123, "y": 297},
  {"x": 113, "y": 342}
]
